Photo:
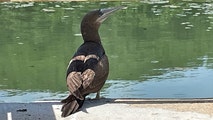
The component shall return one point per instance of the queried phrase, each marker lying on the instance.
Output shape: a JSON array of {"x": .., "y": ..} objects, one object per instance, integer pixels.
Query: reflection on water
[
  {"x": 156, "y": 49},
  {"x": 174, "y": 83},
  {"x": 177, "y": 83}
]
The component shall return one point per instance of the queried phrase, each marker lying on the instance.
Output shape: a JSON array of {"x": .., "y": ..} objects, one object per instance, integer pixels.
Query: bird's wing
[
  {"x": 88, "y": 74},
  {"x": 74, "y": 77},
  {"x": 81, "y": 73},
  {"x": 74, "y": 83}
]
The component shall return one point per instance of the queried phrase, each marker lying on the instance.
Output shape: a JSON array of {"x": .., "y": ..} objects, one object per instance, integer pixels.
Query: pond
[{"x": 156, "y": 49}]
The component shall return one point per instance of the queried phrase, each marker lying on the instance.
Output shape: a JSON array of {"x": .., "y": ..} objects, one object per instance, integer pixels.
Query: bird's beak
[{"x": 106, "y": 12}]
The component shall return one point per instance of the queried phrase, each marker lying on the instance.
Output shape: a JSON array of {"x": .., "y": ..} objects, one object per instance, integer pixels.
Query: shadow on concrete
[{"x": 94, "y": 102}]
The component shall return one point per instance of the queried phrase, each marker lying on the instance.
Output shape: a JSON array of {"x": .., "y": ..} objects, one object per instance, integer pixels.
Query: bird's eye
[{"x": 100, "y": 13}]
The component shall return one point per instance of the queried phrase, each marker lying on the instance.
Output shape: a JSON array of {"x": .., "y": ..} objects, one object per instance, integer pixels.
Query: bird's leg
[{"x": 97, "y": 95}]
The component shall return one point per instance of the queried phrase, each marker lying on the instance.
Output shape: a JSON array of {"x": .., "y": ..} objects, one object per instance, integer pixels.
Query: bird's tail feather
[{"x": 71, "y": 105}]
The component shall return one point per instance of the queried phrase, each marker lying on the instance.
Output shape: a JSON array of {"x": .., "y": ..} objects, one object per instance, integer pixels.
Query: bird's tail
[{"x": 71, "y": 105}]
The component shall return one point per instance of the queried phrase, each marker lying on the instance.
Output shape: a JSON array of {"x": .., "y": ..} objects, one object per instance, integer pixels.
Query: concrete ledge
[
  {"x": 113, "y": 109},
  {"x": 163, "y": 100}
]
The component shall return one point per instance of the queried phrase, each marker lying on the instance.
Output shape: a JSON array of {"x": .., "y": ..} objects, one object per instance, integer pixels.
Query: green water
[{"x": 162, "y": 49}]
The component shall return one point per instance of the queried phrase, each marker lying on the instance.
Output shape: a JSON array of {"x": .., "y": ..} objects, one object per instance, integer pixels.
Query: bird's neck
[
  {"x": 90, "y": 34},
  {"x": 91, "y": 37}
]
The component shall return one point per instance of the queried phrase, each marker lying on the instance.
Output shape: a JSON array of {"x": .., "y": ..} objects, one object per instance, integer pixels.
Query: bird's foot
[{"x": 98, "y": 96}]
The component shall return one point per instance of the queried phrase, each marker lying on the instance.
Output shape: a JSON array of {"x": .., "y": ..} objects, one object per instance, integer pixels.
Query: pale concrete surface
[{"x": 112, "y": 109}]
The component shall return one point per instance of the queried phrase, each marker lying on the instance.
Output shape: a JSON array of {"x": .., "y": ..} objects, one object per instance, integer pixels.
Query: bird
[{"x": 88, "y": 69}]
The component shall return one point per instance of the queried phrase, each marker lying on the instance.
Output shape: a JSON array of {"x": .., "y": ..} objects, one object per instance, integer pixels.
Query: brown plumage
[{"x": 89, "y": 67}]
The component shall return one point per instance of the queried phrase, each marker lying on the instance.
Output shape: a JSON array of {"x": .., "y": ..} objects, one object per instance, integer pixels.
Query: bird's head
[
  {"x": 96, "y": 17},
  {"x": 92, "y": 20}
]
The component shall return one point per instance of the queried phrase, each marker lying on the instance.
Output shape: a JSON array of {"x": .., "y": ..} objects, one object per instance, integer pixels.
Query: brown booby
[{"x": 89, "y": 67}]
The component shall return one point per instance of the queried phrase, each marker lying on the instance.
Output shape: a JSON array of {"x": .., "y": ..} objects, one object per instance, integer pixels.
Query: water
[{"x": 156, "y": 49}]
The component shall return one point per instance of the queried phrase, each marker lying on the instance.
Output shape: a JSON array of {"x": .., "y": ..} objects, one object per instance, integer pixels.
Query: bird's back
[{"x": 91, "y": 61}]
